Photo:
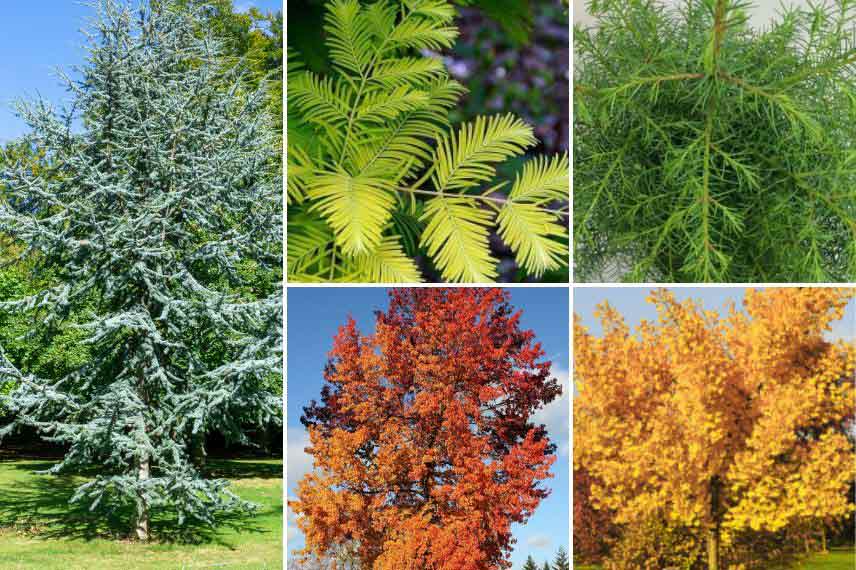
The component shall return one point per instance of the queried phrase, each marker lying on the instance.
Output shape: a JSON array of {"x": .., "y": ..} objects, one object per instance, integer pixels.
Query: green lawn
[
  {"x": 40, "y": 530},
  {"x": 837, "y": 559}
]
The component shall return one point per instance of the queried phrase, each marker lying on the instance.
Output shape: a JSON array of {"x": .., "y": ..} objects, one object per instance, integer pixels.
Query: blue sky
[
  {"x": 36, "y": 37},
  {"x": 630, "y": 302},
  {"x": 314, "y": 315}
]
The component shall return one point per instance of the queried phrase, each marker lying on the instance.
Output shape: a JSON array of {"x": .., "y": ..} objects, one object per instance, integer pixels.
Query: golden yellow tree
[{"x": 722, "y": 423}]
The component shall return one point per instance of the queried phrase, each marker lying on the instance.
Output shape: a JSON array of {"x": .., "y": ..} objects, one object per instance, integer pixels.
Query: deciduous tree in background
[
  {"x": 58, "y": 351},
  {"x": 423, "y": 445},
  {"x": 721, "y": 423}
]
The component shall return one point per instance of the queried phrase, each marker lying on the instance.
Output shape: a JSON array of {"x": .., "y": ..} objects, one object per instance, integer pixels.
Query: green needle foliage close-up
[
  {"x": 710, "y": 150},
  {"x": 377, "y": 175}
]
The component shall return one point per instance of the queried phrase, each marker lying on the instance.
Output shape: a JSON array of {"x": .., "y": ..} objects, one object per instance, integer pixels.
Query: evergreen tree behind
[
  {"x": 151, "y": 218},
  {"x": 530, "y": 564},
  {"x": 561, "y": 562}
]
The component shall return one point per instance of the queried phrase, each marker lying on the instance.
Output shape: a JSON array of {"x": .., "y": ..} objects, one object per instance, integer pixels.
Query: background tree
[
  {"x": 148, "y": 220},
  {"x": 530, "y": 564},
  {"x": 722, "y": 424},
  {"x": 561, "y": 562},
  {"x": 253, "y": 39},
  {"x": 706, "y": 150},
  {"x": 423, "y": 445}
]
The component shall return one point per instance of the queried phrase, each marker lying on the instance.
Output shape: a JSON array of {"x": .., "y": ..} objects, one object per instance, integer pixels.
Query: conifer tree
[
  {"x": 150, "y": 215},
  {"x": 709, "y": 150},
  {"x": 561, "y": 562},
  {"x": 530, "y": 564},
  {"x": 376, "y": 176}
]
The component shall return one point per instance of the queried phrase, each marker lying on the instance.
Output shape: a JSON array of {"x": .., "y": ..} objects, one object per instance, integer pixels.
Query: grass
[
  {"x": 837, "y": 559},
  {"x": 39, "y": 529}
]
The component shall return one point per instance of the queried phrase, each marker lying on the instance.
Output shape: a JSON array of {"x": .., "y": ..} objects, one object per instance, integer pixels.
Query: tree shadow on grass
[
  {"x": 245, "y": 469},
  {"x": 39, "y": 507}
]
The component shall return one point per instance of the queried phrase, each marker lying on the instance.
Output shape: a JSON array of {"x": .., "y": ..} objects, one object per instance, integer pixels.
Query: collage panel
[
  {"x": 428, "y": 428},
  {"x": 428, "y": 141},
  {"x": 141, "y": 262},
  {"x": 183, "y": 183},
  {"x": 714, "y": 427},
  {"x": 713, "y": 141}
]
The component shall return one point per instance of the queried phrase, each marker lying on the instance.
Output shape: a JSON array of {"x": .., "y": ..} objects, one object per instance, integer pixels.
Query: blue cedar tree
[{"x": 148, "y": 216}]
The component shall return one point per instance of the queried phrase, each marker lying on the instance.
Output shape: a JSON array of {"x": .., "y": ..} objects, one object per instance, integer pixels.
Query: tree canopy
[
  {"x": 423, "y": 445},
  {"x": 719, "y": 423}
]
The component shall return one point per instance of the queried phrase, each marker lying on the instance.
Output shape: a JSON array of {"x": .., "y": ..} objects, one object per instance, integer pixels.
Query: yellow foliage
[{"x": 756, "y": 403}]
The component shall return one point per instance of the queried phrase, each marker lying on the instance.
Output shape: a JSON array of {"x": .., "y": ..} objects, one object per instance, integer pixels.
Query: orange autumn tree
[
  {"x": 724, "y": 423},
  {"x": 423, "y": 446}
]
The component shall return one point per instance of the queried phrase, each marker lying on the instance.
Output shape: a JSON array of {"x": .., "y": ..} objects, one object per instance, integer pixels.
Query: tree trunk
[
  {"x": 197, "y": 450},
  {"x": 713, "y": 538},
  {"x": 823, "y": 539},
  {"x": 267, "y": 438},
  {"x": 713, "y": 548},
  {"x": 142, "y": 504}
]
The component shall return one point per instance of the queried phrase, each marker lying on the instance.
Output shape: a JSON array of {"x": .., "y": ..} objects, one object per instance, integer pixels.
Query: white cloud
[
  {"x": 557, "y": 415},
  {"x": 297, "y": 462},
  {"x": 541, "y": 541},
  {"x": 292, "y": 531}
]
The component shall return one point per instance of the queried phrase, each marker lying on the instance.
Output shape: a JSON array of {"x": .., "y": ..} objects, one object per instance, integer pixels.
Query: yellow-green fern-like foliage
[{"x": 377, "y": 175}]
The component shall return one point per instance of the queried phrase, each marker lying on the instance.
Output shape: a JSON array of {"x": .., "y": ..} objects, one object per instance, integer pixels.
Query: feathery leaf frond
[
  {"x": 349, "y": 36},
  {"x": 542, "y": 179},
  {"x": 387, "y": 264},
  {"x": 382, "y": 106},
  {"x": 530, "y": 232},
  {"x": 456, "y": 237},
  {"x": 466, "y": 158},
  {"x": 426, "y": 27},
  {"x": 370, "y": 141},
  {"x": 356, "y": 208},
  {"x": 413, "y": 71}
]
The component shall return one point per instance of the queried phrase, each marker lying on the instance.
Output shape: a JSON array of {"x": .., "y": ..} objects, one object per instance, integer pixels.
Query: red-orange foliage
[{"x": 423, "y": 448}]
